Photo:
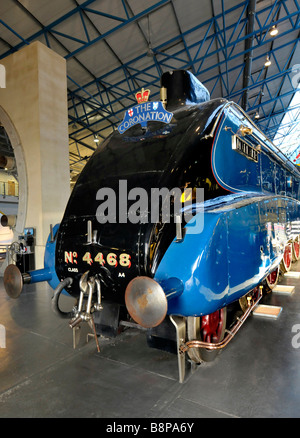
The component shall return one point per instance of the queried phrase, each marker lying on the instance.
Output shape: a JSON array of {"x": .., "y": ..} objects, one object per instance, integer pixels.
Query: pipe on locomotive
[{"x": 57, "y": 292}]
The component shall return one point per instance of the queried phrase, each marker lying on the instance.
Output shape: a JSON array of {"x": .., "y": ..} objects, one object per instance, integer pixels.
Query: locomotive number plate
[
  {"x": 244, "y": 148},
  {"x": 111, "y": 259}
]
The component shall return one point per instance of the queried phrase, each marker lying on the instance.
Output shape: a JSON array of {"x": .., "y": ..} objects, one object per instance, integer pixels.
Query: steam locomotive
[{"x": 183, "y": 214}]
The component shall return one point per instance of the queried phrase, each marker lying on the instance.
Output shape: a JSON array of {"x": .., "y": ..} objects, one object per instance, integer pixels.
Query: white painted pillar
[{"x": 34, "y": 109}]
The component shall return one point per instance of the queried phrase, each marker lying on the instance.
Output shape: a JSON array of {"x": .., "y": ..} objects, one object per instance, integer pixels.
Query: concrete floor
[{"x": 41, "y": 375}]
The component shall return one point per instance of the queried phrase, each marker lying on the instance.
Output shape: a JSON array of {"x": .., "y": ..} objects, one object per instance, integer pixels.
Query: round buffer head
[
  {"x": 13, "y": 281},
  {"x": 146, "y": 301}
]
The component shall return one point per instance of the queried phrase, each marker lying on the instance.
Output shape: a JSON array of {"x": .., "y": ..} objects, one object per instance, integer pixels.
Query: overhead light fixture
[
  {"x": 256, "y": 115},
  {"x": 96, "y": 139},
  {"x": 273, "y": 31},
  {"x": 268, "y": 62}
]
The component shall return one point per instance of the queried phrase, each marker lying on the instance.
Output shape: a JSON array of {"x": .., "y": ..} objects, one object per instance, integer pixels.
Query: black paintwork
[{"x": 162, "y": 156}]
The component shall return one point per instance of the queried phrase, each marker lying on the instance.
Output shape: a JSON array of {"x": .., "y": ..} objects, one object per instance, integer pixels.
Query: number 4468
[{"x": 111, "y": 259}]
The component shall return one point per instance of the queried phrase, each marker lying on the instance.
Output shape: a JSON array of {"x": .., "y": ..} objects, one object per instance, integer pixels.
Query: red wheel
[
  {"x": 286, "y": 262},
  {"x": 272, "y": 279},
  {"x": 212, "y": 327},
  {"x": 296, "y": 249},
  {"x": 212, "y": 330},
  {"x": 249, "y": 299}
]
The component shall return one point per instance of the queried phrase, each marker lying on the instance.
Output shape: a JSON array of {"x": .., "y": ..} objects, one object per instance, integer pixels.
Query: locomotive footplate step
[
  {"x": 267, "y": 311},
  {"x": 292, "y": 274},
  {"x": 284, "y": 290}
]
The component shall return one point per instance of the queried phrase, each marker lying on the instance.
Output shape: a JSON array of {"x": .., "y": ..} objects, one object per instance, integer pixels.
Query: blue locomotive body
[
  {"x": 151, "y": 271},
  {"x": 242, "y": 243},
  {"x": 246, "y": 232}
]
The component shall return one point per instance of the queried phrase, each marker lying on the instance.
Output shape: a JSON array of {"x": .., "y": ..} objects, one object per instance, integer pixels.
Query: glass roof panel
[{"x": 287, "y": 138}]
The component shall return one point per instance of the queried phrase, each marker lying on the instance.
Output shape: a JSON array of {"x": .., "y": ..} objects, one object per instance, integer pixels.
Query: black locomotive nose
[{"x": 114, "y": 253}]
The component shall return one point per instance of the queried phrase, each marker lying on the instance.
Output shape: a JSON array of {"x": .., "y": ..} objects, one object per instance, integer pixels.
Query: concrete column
[{"x": 35, "y": 103}]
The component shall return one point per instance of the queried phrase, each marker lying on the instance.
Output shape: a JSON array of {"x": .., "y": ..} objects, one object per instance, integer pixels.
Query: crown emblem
[{"x": 142, "y": 96}]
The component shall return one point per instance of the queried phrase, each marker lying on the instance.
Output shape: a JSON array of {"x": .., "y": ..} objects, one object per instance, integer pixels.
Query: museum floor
[{"x": 41, "y": 375}]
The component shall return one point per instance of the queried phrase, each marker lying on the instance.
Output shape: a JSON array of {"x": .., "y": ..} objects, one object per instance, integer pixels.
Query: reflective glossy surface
[
  {"x": 249, "y": 212},
  {"x": 162, "y": 157},
  {"x": 239, "y": 246},
  {"x": 128, "y": 380}
]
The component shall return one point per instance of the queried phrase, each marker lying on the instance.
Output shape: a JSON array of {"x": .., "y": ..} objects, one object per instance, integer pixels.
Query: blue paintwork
[
  {"x": 49, "y": 258},
  {"x": 236, "y": 250},
  {"x": 236, "y": 173},
  {"x": 48, "y": 272},
  {"x": 172, "y": 287},
  {"x": 143, "y": 113},
  {"x": 40, "y": 275},
  {"x": 244, "y": 233},
  {"x": 189, "y": 261}
]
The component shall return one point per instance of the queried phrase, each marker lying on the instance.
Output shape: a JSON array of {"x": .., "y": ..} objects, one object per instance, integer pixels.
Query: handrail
[{"x": 229, "y": 104}]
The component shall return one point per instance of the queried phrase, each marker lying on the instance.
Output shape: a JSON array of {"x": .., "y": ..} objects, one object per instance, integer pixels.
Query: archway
[{"x": 15, "y": 142}]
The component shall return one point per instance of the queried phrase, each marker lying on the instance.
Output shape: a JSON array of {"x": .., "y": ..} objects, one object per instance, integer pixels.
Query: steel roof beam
[
  {"x": 130, "y": 20},
  {"x": 101, "y": 97},
  {"x": 231, "y": 94},
  {"x": 83, "y": 16},
  {"x": 60, "y": 43},
  {"x": 276, "y": 76},
  {"x": 49, "y": 27},
  {"x": 265, "y": 27},
  {"x": 286, "y": 67},
  {"x": 251, "y": 12}
]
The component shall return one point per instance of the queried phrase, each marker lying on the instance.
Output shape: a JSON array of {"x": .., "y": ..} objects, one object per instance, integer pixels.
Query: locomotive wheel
[
  {"x": 271, "y": 280},
  {"x": 286, "y": 262},
  {"x": 296, "y": 249},
  {"x": 208, "y": 328},
  {"x": 252, "y": 296}
]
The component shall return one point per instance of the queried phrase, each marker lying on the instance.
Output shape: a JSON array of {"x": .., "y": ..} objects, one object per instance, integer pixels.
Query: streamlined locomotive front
[
  {"x": 137, "y": 242},
  {"x": 113, "y": 225}
]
